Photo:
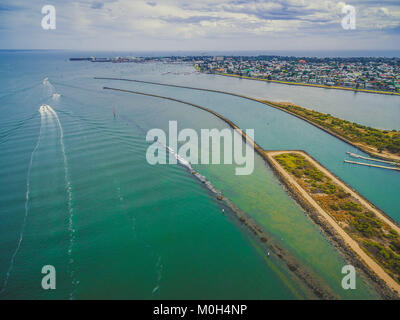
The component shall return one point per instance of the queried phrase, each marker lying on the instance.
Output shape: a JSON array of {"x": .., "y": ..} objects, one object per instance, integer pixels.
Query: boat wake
[
  {"x": 56, "y": 96},
  {"x": 159, "y": 270},
  {"x": 182, "y": 161},
  {"x": 53, "y": 115},
  {"x": 27, "y": 194},
  {"x": 50, "y": 89}
]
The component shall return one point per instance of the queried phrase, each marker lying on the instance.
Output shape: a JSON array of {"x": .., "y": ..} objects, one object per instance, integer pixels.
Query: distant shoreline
[{"x": 308, "y": 84}]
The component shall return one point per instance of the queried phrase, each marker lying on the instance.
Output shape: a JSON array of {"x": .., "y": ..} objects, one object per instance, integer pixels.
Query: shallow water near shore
[{"x": 141, "y": 231}]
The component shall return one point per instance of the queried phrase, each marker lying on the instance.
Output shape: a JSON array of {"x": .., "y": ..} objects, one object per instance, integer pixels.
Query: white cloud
[
  {"x": 385, "y": 11},
  {"x": 123, "y": 22}
]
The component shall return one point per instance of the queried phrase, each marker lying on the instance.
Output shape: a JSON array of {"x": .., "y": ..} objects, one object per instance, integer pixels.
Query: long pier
[{"x": 372, "y": 165}]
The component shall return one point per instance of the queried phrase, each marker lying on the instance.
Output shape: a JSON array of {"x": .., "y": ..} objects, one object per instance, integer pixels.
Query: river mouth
[
  {"x": 301, "y": 272},
  {"x": 136, "y": 227}
]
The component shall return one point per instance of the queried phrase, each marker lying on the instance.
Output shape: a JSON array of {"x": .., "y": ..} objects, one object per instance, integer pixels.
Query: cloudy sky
[{"x": 200, "y": 25}]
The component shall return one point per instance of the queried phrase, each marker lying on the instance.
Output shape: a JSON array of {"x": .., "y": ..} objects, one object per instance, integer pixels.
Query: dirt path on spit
[{"x": 364, "y": 257}]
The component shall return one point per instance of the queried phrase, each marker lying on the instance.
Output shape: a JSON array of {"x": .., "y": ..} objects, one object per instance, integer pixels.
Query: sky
[{"x": 190, "y": 25}]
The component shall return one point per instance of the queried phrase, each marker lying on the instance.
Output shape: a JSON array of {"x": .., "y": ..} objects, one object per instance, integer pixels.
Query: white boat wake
[
  {"x": 68, "y": 188},
  {"x": 56, "y": 96},
  {"x": 182, "y": 161},
  {"x": 48, "y": 115},
  {"x": 50, "y": 90},
  {"x": 159, "y": 270},
  {"x": 43, "y": 117}
]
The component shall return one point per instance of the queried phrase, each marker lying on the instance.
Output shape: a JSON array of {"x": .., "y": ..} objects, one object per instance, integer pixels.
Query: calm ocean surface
[{"x": 77, "y": 193}]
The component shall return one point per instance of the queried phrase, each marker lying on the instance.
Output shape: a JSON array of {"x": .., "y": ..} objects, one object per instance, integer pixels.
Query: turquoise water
[
  {"x": 277, "y": 130},
  {"x": 375, "y": 110},
  {"x": 261, "y": 196},
  {"x": 124, "y": 229},
  {"x": 116, "y": 227}
]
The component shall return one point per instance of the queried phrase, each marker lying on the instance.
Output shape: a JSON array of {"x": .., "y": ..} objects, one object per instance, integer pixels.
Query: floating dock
[
  {"x": 354, "y": 155},
  {"x": 372, "y": 165}
]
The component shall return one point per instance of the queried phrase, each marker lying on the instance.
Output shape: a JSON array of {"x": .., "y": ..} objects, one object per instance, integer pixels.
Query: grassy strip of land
[
  {"x": 374, "y": 235},
  {"x": 381, "y": 143}
]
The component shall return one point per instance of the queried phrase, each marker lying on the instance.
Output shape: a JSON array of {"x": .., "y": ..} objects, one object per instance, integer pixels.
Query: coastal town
[
  {"x": 378, "y": 74},
  {"x": 381, "y": 74}
]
